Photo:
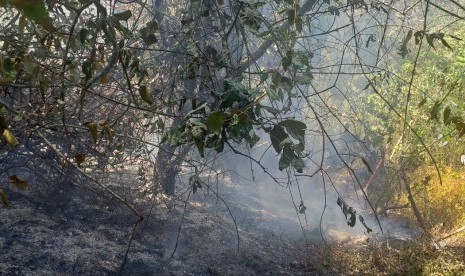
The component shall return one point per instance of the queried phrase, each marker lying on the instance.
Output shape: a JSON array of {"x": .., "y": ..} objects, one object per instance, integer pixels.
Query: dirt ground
[{"x": 74, "y": 231}]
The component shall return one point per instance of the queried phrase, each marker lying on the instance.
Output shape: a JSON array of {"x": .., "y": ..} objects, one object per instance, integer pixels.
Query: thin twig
[
  {"x": 131, "y": 238},
  {"x": 180, "y": 224},
  {"x": 229, "y": 211},
  {"x": 104, "y": 187}
]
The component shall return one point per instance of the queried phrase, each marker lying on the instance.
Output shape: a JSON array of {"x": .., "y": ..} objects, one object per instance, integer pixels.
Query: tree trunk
[
  {"x": 168, "y": 165},
  {"x": 415, "y": 209}
]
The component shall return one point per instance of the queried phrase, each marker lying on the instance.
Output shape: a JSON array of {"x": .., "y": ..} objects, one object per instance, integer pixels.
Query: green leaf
[
  {"x": 276, "y": 79},
  {"x": 253, "y": 140},
  {"x": 150, "y": 39},
  {"x": 430, "y": 40},
  {"x": 270, "y": 109},
  {"x": 422, "y": 103},
  {"x": 193, "y": 50},
  {"x": 353, "y": 218},
  {"x": 280, "y": 81},
  {"x": 333, "y": 10},
  {"x": 240, "y": 130},
  {"x": 460, "y": 127},
  {"x": 305, "y": 78},
  {"x": 277, "y": 136},
  {"x": 232, "y": 93},
  {"x": 123, "y": 29},
  {"x": 444, "y": 42},
  {"x": 435, "y": 111},
  {"x": 446, "y": 115},
  {"x": 286, "y": 84},
  {"x": 286, "y": 62},
  {"x": 9, "y": 68},
  {"x": 287, "y": 157},
  {"x": 201, "y": 147},
  {"x": 264, "y": 77},
  {"x": 87, "y": 69},
  {"x": 213, "y": 140},
  {"x": 302, "y": 58},
  {"x": 83, "y": 35},
  {"x": 298, "y": 24},
  {"x": 265, "y": 34},
  {"x": 258, "y": 110},
  {"x": 409, "y": 36},
  {"x": 418, "y": 36},
  {"x": 254, "y": 94},
  {"x": 290, "y": 16},
  {"x": 273, "y": 94},
  {"x": 339, "y": 202},
  {"x": 36, "y": 11},
  {"x": 298, "y": 164},
  {"x": 148, "y": 33},
  {"x": 295, "y": 128},
  {"x": 198, "y": 131},
  {"x": 215, "y": 122},
  {"x": 177, "y": 136}
]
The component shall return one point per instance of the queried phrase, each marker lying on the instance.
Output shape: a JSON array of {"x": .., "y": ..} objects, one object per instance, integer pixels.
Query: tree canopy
[{"x": 92, "y": 86}]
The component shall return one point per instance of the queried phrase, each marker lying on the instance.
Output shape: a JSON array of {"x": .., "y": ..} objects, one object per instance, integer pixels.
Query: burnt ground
[{"x": 69, "y": 230}]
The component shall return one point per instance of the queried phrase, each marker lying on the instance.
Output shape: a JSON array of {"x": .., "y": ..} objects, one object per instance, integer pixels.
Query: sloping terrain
[{"x": 77, "y": 231}]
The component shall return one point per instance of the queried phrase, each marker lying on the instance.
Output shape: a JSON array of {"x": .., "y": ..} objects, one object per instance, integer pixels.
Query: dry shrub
[
  {"x": 415, "y": 258},
  {"x": 443, "y": 206}
]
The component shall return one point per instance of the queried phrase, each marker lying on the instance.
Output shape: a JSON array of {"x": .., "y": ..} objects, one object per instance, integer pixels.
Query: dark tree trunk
[{"x": 168, "y": 164}]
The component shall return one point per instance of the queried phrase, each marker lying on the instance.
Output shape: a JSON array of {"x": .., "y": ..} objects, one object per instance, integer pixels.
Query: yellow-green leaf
[
  {"x": 104, "y": 79},
  {"x": 63, "y": 163},
  {"x": 19, "y": 183},
  {"x": 123, "y": 15},
  {"x": 9, "y": 138},
  {"x": 106, "y": 127},
  {"x": 93, "y": 130},
  {"x": 4, "y": 198},
  {"x": 145, "y": 94},
  {"x": 21, "y": 25},
  {"x": 216, "y": 121}
]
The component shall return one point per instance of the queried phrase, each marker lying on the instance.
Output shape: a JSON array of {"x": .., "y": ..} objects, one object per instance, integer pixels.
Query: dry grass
[{"x": 415, "y": 258}]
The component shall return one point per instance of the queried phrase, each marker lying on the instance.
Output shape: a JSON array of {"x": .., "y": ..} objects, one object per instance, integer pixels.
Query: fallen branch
[
  {"x": 394, "y": 207},
  {"x": 453, "y": 233}
]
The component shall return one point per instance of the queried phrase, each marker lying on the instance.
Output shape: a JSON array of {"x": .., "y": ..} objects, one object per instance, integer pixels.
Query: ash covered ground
[
  {"x": 65, "y": 229},
  {"x": 74, "y": 231}
]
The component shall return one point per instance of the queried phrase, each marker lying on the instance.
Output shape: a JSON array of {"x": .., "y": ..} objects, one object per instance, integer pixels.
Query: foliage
[
  {"x": 91, "y": 89},
  {"x": 443, "y": 205},
  {"x": 413, "y": 115},
  {"x": 435, "y": 109}
]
